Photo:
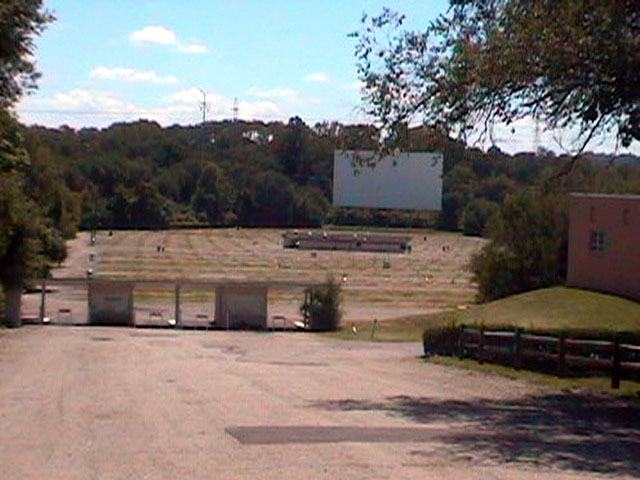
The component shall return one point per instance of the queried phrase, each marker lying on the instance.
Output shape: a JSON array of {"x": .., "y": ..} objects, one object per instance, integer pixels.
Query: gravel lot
[{"x": 116, "y": 403}]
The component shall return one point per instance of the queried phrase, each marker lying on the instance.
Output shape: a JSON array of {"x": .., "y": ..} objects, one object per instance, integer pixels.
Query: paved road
[{"x": 111, "y": 403}]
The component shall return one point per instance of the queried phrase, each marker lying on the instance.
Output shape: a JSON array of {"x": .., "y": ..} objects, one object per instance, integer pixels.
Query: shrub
[
  {"x": 476, "y": 216},
  {"x": 322, "y": 306},
  {"x": 528, "y": 248},
  {"x": 441, "y": 339}
]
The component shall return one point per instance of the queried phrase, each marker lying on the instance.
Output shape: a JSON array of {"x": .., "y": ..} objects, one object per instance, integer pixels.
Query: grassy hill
[
  {"x": 560, "y": 309},
  {"x": 556, "y": 309}
]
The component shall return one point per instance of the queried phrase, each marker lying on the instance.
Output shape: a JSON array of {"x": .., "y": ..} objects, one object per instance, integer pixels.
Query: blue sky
[
  {"x": 114, "y": 60},
  {"x": 149, "y": 58}
]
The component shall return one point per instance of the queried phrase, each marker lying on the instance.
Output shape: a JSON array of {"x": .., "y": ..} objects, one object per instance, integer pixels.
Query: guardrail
[{"x": 518, "y": 348}]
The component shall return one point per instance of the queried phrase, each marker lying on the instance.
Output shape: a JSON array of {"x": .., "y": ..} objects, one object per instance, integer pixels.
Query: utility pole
[
  {"x": 235, "y": 109},
  {"x": 204, "y": 106}
]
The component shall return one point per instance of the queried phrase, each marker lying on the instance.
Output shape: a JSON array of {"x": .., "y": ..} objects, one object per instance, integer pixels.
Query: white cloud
[
  {"x": 190, "y": 96},
  {"x": 91, "y": 100},
  {"x": 259, "y": 110},
  {"x": 317, "y": 77},
  {"x": 192, "y": 48},
  {"x": 99, "y": 108},
  {"x": 219, "y": 107},
  {"x": 164, "y": 36},
  {"x": 130, "y": 75},
  {"x": 154, "y": 34},
  {"x": 272, "y": 92}
]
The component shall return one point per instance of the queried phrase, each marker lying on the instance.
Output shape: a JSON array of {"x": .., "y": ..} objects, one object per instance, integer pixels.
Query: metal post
[
  {"x": 177, "y": 311},
  {"x": 615, "y": 364},
  {"x": 43, "y": 294},
  {"x": 461, "y": 343},
  {"x": 562, "y": 353},
  {"x": 517, "y": 350},
  {"x": 373, "y": 328}
]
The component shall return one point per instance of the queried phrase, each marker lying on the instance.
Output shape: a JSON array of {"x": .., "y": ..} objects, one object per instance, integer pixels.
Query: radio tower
[
  {"x": 204, "y": 106},
  {"x": 235, "y": 109}
]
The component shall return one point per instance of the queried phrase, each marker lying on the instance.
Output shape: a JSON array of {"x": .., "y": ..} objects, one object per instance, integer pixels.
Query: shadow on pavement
[{"x": 584, "y": 432}]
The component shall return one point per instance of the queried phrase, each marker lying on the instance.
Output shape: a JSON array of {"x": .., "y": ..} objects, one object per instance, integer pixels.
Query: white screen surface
[{"x": 408, "y": 180}]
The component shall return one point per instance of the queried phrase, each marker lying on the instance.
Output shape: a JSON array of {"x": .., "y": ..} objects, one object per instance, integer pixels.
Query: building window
[
  {"x": 596, "y": 241},
  {"x": 625, "y": 216}
]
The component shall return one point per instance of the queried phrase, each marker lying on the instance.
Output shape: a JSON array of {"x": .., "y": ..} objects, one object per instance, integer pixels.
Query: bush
[
  {"x": 476, "y": 216},
  {"x": 441, "y": 339},
  {"x": 321, "y": 306},
  {"x": 528, "y": 248}
]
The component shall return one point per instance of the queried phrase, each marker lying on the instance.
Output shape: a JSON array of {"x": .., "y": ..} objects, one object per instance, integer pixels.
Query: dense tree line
[{"x": 140, "y": 175}]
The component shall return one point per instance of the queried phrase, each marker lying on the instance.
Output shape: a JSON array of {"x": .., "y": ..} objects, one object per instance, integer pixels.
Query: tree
[
  {"x": 214, "y": 195},
  {"x": 528, "y": 247},
  {"x": 24, "y": 236},
  {"x": 563, "y": 62},
  {"x": 20, "y": 22},
  {"x": 273, "y": 200},
  {"x": 321, "y": 306},
  {"x": 477, "y": 215}
]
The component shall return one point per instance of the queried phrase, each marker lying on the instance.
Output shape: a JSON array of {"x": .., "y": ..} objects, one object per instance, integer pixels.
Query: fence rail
[{"x": 515, "y": 347}]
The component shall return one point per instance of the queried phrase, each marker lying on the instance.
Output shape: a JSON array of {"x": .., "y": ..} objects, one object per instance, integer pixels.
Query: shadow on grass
[{"x": 589, "y": 433}]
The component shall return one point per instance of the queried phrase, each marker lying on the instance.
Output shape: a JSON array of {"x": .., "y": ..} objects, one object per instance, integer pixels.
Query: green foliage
[
  {"x": 214, "y": 196},
  {"x": 564, "y": 62},
  {"x": 441, "y": 339},
  {"x": 12, "y": 155},
  {"x": 310, "y": 207},
  {"x": 20, "y": 22},
  {"x": 21, "y": 231},
  {"x": 477, "y": 215},
  {"x": 273, "y": 199},
  {"x": 95, "y": 177},
  {"x": 322, "y": 306},
  {"x": 528, "y": 248},
  {"x": 138, "y": 207}
]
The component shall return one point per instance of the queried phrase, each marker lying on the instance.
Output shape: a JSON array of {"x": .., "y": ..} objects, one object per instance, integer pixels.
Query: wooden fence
[{"x": 521, "y": 349}]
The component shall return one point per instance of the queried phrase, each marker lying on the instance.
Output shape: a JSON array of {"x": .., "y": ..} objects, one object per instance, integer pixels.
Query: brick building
[{"x": 604, "y": 243}]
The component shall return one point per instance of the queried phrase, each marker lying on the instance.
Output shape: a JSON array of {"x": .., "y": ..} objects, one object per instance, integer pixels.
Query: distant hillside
[
  {"x": 614, "y": 160},
  {"x": 141, "y": 175}
]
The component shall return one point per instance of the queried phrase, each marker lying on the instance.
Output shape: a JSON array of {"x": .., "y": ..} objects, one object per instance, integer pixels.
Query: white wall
[
  {"x": 409, "y": 180},
  {"x": 110, "y": 303}
]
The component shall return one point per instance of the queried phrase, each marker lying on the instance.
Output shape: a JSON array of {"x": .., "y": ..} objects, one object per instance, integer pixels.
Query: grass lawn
[
  {"x": 561, "y": 309},
  {"x": 598, "y": 383},
  {"x": 557, "y": 309}
]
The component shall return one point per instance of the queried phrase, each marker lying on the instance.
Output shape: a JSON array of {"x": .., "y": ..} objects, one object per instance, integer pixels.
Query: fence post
[
  {"x": 481, "y": 346},
  {"x": 43, "y": 295},
  {"x": 461, "y": 343},
  {"x": 177, "y": 313},
  {"x": 517, "y": 350},
  {"x": 615, "y": 370},
  {"x": 562, "y": 352}
]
